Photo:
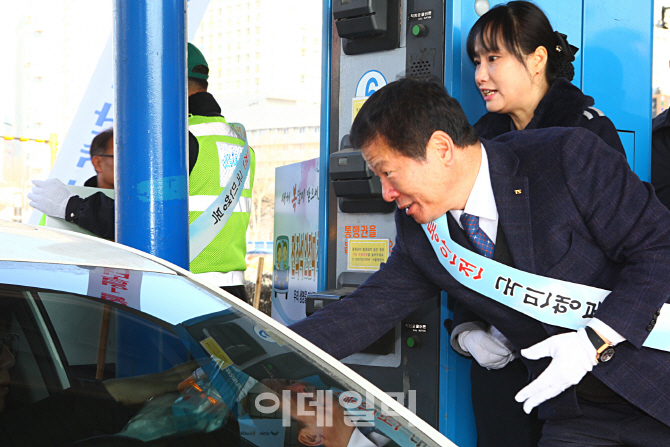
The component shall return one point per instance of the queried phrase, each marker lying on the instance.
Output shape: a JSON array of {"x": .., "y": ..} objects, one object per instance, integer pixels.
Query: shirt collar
[{"x": 481, "y": 201}]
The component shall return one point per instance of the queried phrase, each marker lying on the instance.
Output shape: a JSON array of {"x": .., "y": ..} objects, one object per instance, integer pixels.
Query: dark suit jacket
[{"x": 582, "y": 216}]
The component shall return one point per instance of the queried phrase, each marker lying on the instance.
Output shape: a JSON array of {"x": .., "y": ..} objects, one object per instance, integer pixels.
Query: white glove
[
  {"x": 573, "y": 355},
  {"x": 489, "y": 351},
  {"x": 50, "y": 197}
]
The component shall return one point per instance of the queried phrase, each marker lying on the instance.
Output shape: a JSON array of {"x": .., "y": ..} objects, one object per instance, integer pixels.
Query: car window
[{"x": 221, "y": 377}]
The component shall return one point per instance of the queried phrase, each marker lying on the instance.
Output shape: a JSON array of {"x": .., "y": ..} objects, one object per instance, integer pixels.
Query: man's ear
[
  {"x": 307, "y": 437},
  {"x": 442, "y": 146},
  {"x": 97, "y": 162}
]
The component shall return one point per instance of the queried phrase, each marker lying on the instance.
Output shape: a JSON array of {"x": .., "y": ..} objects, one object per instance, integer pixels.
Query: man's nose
[
  {"x": 389, "y": 193},
  {"x": 6, "y": 358}
]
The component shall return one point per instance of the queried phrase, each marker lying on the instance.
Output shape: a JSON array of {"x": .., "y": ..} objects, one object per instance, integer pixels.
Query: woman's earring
[{"x": 537, "y": 72}]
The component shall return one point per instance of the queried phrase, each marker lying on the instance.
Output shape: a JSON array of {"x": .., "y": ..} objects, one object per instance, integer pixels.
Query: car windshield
[{"x": 166, "y": 361}]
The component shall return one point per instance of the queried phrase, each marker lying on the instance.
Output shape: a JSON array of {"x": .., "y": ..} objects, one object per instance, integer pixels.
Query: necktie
[{"x": 483, "y": 245}]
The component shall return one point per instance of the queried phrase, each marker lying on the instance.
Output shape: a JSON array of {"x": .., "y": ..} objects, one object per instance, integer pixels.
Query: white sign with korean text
[{"x": 296, "y": 234}]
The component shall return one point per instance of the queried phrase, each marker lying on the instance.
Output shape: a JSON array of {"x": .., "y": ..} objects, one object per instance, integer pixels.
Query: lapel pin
[{"x": 517, "y": 191}]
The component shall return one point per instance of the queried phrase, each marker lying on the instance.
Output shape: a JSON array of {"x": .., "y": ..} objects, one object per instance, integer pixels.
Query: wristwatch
[{"x": 604, "y": 349}]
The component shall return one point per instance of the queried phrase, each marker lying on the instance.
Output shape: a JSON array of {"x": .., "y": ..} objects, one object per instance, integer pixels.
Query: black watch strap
[{"x": 604, "y": 350}]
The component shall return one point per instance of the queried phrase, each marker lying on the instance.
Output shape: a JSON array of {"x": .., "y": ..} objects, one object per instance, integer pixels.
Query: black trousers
[
  {"x": 238, "y": 291},
  {"x": 500, "y": 420},
  {"x": 606, "y": 425}
]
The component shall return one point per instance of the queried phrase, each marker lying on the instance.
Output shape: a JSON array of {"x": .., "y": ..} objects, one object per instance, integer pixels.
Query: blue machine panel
[{"x": 617, "y": 70}]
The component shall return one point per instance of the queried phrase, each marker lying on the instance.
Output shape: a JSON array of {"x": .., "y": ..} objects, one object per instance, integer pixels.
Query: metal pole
[
  {"x": 324, "y": 180},
  {"x": 150, "y": 138}
]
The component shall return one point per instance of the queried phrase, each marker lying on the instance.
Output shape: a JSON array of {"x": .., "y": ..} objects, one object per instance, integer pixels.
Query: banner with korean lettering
[
  {"x": 120, "y": 286},
  {"x": 296, "y": 232},
  {"x": 96, "y": 111},
  {"x": 551, "y": 301}
]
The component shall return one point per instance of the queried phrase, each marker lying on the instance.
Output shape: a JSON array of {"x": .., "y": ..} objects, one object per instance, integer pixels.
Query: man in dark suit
[{"x": 558, "y": 203}]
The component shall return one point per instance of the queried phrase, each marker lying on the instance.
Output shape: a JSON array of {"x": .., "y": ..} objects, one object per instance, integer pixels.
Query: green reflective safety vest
[{"x": 227, "y": 251}]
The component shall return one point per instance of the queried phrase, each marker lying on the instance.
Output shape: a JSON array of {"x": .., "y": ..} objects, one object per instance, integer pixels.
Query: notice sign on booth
[
  {"x": 357, "y": 103},
  {"x": 367, "y": 254}
]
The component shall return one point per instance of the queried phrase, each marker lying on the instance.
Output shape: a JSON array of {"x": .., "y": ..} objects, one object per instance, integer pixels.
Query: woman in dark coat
[{"x": 523, "y": 69}]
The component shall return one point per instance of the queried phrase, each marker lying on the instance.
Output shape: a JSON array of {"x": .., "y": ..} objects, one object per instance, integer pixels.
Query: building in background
[
  {"x": 659, "y": 102},
  {"x": 52, "y": 47},
  {"x": 263, "y": 49},
  {"x": 264, "y": 58},
  {"x": 279, "y": 139}
]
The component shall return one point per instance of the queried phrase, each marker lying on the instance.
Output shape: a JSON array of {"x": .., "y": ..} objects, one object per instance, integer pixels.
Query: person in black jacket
[
  {"x": 660, "y": 157},
  {"x": 523, "y": 70},
  {"x": 95, "y": 213},
  {"x": 102, "y": 159}
]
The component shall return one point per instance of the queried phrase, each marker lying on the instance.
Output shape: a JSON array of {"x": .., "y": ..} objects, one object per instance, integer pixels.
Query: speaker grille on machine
[{"x": 420, "y": 69}]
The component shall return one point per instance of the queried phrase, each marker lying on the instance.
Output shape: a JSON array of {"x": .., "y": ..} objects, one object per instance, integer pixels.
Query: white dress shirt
[{"x": 481, "y": 202}]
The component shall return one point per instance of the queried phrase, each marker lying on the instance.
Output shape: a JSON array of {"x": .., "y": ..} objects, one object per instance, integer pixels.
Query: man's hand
[
  {"x": 489, "y": 352},
  {"x": 573, "y": 355},
  {"x": 135, "y": 390},
  {"x": 50, "y": 197}
]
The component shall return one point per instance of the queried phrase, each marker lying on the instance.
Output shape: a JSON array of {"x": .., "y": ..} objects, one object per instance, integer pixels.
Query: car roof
[{"x": 28, "y": 243}]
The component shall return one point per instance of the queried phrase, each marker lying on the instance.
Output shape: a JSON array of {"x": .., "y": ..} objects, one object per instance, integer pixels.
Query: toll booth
[{"x": 374, "y": 42}]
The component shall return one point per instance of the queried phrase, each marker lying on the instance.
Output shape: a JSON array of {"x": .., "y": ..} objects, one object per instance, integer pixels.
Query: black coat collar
[
  {"x": 203, "y": 104},
  {"x": 512, "y": 201},
  {"x": 562, "y": 106},
  {"x": 661, "y": 121}
]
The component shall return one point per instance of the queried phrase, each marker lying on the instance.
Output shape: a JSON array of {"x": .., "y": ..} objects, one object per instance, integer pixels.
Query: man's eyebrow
[
  {"x": 373, "y": 163},
  {"x": 374, "y": 167}
]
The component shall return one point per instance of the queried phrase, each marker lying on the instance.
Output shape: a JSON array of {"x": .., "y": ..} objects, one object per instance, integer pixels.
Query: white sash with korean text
[
  {"x": 205, "y": 227},
  {"x": 551, "y": 301}
]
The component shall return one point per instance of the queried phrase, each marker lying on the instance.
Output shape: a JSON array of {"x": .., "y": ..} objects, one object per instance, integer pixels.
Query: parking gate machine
[{"x": 375, "y": 42}]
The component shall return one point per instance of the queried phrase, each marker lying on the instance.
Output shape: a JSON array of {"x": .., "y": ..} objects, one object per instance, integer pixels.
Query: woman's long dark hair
[{"x": 520, "y": 27}]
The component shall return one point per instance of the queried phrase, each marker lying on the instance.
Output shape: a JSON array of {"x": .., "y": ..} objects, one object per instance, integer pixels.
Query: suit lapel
[{"x": 512, "y": 201}]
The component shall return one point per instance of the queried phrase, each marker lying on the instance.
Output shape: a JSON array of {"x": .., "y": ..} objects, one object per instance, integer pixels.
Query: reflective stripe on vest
[
  {"x": 200, "y": 203},
  {"x": 213, "y": 128}
]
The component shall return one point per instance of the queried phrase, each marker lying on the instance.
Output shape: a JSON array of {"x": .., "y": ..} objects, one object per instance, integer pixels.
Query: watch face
[{"x": 606, "y": 355}]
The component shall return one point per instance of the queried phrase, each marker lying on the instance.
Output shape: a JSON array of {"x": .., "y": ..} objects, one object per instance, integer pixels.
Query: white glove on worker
[
  {"x": 489, "y": 348},
  {"x": 573, "y": 355},
  {"x": 50, "y": 197}
]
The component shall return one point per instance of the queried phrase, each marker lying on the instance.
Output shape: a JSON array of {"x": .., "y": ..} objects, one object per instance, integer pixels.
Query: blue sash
[{"x": 551, "y": 301}]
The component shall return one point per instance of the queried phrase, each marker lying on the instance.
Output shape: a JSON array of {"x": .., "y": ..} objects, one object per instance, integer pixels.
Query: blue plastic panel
[
  {"x": 628, "y": 141},
  {"x": 617, "y": 69},
  {"x": 456, "y": 419}
]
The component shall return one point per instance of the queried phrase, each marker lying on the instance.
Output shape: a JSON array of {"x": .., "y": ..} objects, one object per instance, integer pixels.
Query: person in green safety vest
[
  {"x": 223, "y": 260},
  {"x": 211, "y": 164}
]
